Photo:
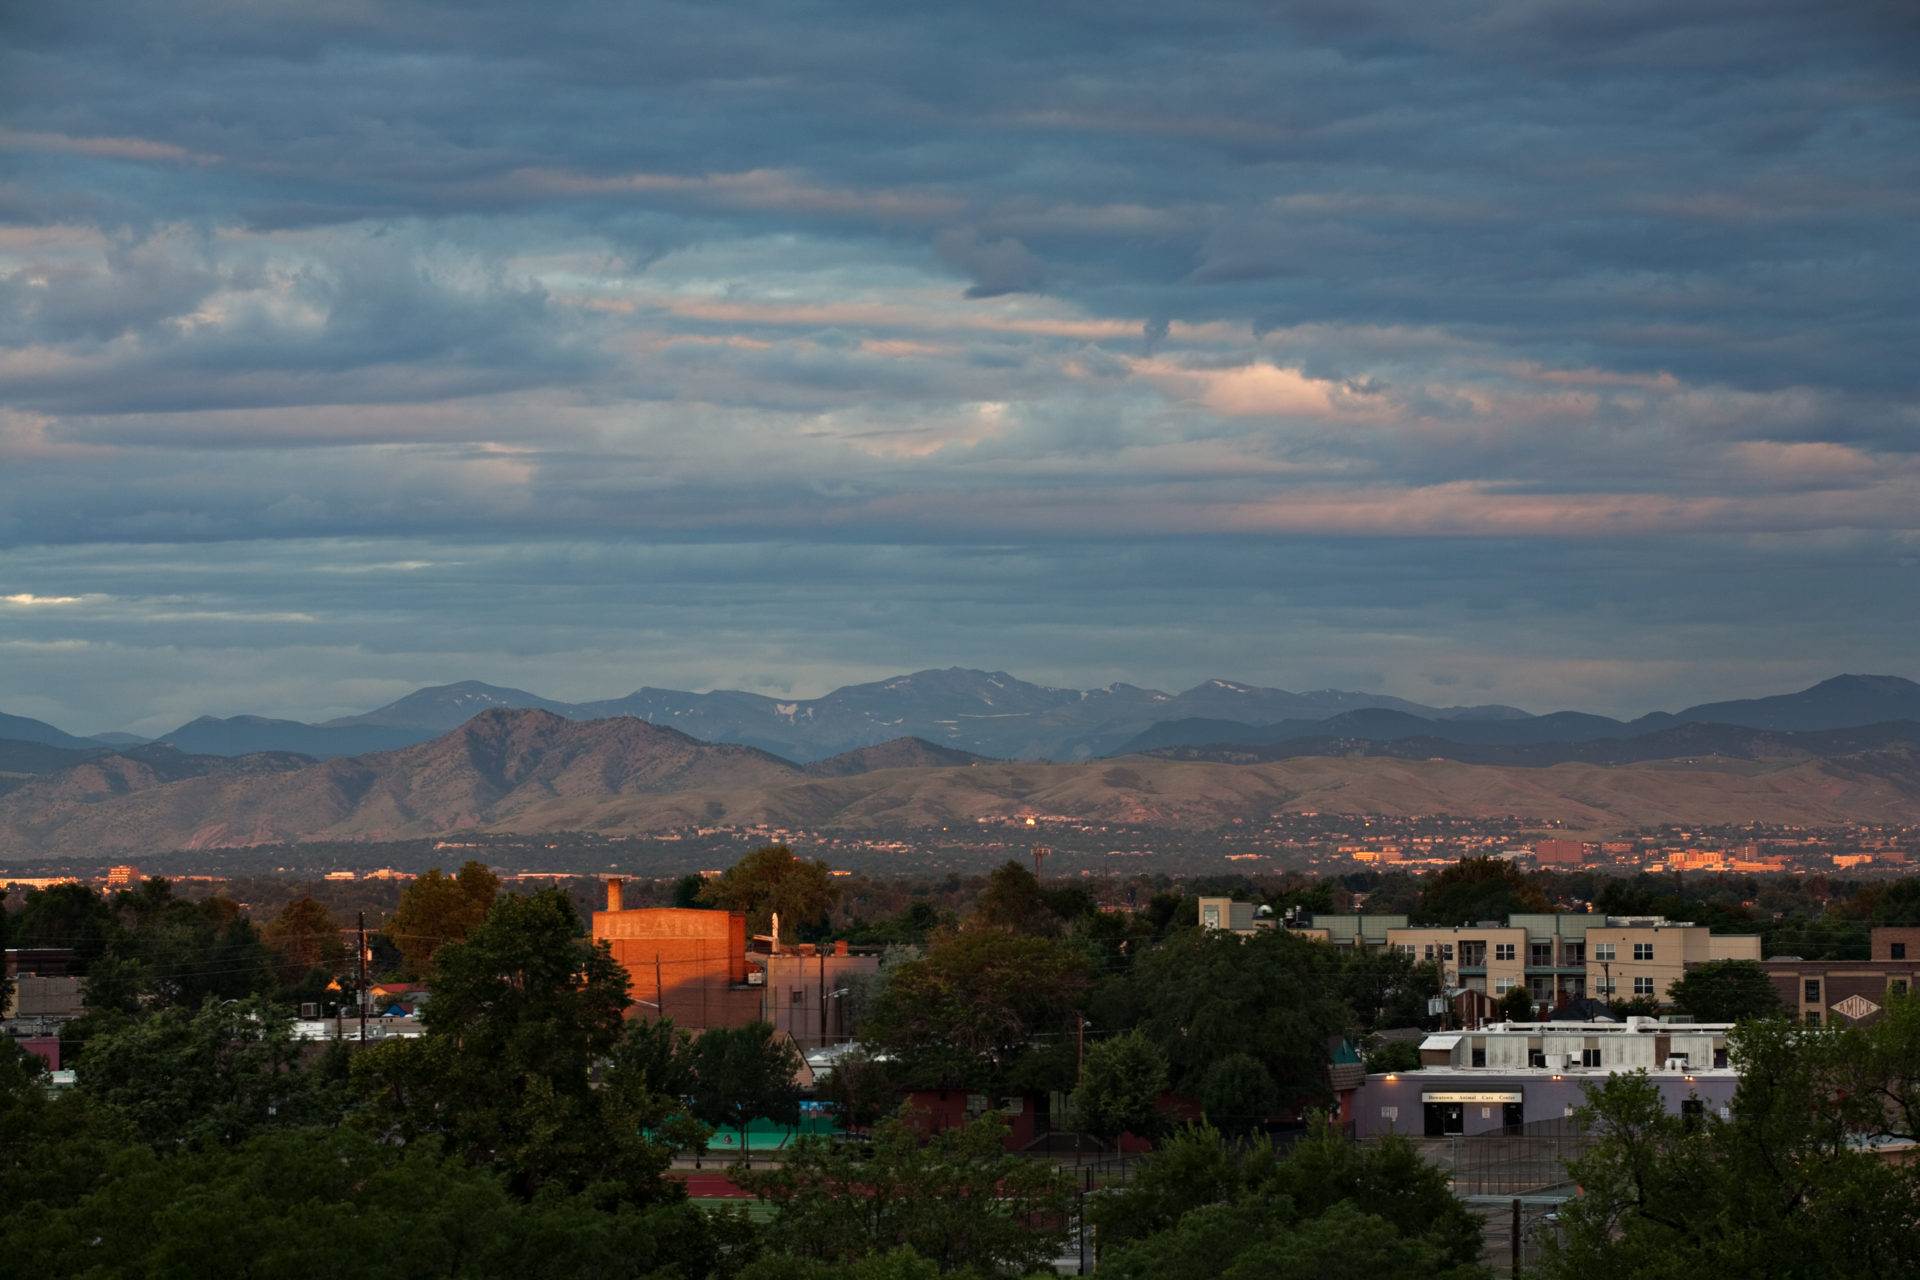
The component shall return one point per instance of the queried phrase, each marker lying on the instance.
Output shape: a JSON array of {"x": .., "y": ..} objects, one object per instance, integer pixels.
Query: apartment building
[{"x": 1555, "y": 958}]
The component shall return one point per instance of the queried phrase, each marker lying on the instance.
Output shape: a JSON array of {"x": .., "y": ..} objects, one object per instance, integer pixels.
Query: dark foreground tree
[
  {"x": 437, "y": 909},
  {"x": 1120, "y": 1087},
  {"x": 1787, "y": 1185},
  {"x": 772, "y": 880},
  {"x": 1329, "y": 1210},
  {"x": 522, "y": 1013},
  {"x": 743, "y": 1074},
  {"x": 1476, "y": 889},
  {"x": 1726, "y": 991},
  {"x": 957, "y": 1200}
]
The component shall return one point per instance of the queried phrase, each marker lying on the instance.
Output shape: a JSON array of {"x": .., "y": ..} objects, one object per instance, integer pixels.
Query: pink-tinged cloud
[
  {"x": 762, "y": 189},
  {"x": 113, "y": 148},
  {"x": 1822, "y": 462},
  {"x": 1245, "y": 391}
]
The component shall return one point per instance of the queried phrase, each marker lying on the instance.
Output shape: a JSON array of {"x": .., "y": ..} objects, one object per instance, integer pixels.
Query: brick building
[
  {"x": 683, "y": 963},
  {"x": 1849, "y": 991}
]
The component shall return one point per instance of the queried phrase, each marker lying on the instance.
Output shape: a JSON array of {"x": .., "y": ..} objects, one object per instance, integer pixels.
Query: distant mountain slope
[
  {"x": 20, "y": 761},
  {"x": 243, "y": 734},
  {"x": 1832, "y": 704},
  {"x": 901, "y": 753},
  {"x": 531, "y": 771},
  {"x": 26, "y": 729},
  {"x": 481, "y": 773},
  {"x": 1899, "y": 740},
  {"x": 448, "y": 706},
  {"x": 989, "y": 713}
]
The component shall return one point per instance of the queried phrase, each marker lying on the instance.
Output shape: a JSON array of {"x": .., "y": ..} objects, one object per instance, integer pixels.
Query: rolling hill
[{"x": 530, "y": 771}]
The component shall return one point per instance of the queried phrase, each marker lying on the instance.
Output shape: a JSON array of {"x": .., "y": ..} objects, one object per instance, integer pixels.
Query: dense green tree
[
  {"x": 53, "y": 1149},
  {"x": 772, "y": 880},
  {"x": 1237, "y": 1092},
  {"x": 304, "y": 939},
  {"x": 902, "y": 1264},
  {"x": 1207, "y": 995},
  {"x": 1013, "y": 900},
  {"x": 1386, "y": 987},
  {"x": 304, "y": 1204},
  {"x": 956, "y": 1198},
  {"x": 1516, "y": 1005},
  {"x": 967, "y": 1012},
  {"x": 214, "y": 1076},
  {"x": 1475, "y": 889},
  {"x": 437, "y": 909},
  {"x": 1782, "y": 1187},
  {"x": 72, "y": 915},
  {"x": 523, "y": 1011},
  {"x": 1395, "y": 1055},
  {"x": 6, "y": 931},
  {"x": 1201, "y": 1208},
  {"x": 1726, "y": 991},
  {"x": 743, "y": 1074},
  {"x": 1120, "y": 1087},
  {"x": 859, "y": 1087}
]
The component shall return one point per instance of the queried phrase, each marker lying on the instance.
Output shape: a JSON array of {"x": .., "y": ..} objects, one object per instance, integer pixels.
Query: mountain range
[
  {"x": 994, "y": 714},
  {"x": 530, "y": 771}
]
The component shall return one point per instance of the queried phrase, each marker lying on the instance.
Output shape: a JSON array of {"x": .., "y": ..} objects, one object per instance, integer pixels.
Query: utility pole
[
  {"x": 1040, "y": 853},
  {"x": 659, "y": 990},
  {"x": 1516, "y": 1239},
  {"x": 823, "y": 999},
  {"x": 363, "y": 979}
]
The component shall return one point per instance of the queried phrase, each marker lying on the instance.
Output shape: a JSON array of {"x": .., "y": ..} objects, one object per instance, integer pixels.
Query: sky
[{"x": 1553, "y": 353}]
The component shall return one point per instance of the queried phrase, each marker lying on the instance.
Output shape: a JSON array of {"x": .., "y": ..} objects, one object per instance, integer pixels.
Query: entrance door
[
  {"x": 1444, "y": 1118},
  {"x": 1512, "y": 1116}
]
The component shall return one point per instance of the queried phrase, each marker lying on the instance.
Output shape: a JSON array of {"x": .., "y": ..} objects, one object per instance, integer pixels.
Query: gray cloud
[{"x": 1377, "y": 285}]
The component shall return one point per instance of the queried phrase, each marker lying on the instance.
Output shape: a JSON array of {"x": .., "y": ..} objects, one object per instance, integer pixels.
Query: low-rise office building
[
  {"x": 1512, "y": 1074},
  {"x": 1849, "y": 991}
]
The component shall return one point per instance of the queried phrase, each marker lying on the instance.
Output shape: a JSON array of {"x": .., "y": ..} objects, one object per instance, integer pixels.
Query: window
[
  {"x": 1503, "y": 985},
  {"x": 1575, "y": 953},
  {"x": 1540, "y": 955},
  {"x": 1429, "y": 951},
  {"x": 1813, "y": 1017},
  {"x": 1406, "y": 949},
  {"x": 1813, "y": 991},
  {"x": 1643, "y": 986},
  {"x": 1446, "y": 951},
  {"x": 1503, "y": 951},
  {"x": 1899, "y": 951},
  {"x": 1643, "y": 951},
  {"x": 1480, "y": 1056},
  {"x": 1603, "y": 951},
  {"x": 1899, "y": 984},
  {"x": 799, "y": 995},
  {"x": 1210, "y": 916},
  {"x": 1589, "y": 1057}
]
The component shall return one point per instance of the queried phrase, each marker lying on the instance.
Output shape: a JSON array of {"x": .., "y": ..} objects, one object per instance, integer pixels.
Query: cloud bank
[{"x": 1556, "y": 350}]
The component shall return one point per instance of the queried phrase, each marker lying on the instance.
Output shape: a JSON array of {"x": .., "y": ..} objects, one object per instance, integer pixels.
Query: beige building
[{"x": 1563, "y": 957}]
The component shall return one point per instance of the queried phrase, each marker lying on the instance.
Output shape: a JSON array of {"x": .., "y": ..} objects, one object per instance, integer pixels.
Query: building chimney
[{"x": 614, "y": 886}]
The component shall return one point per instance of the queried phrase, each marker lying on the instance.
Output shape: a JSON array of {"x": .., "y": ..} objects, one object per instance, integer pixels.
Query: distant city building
[
  {"x": 1571, "y": 853},
  {"x": 122, "y": 877}
]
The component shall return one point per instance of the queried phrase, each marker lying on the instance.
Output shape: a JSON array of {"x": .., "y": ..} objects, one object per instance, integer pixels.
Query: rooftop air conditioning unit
[
  {"x": 1556, "y": 1062},
  {"x": 309, "y": 1010}
]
